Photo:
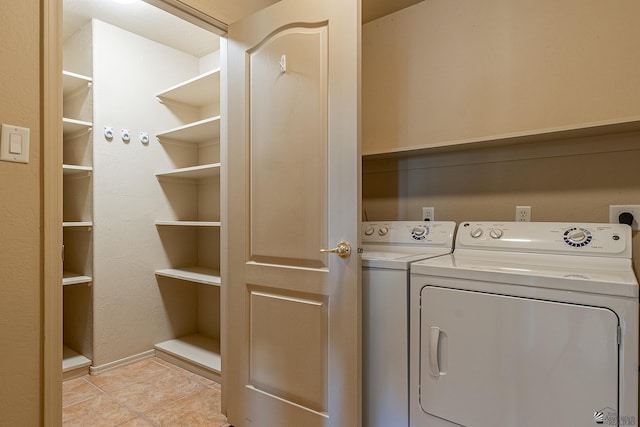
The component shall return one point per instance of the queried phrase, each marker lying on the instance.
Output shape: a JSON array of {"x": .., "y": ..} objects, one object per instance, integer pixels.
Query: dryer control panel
[
  {"x": 591, "y": 239},
  {"x": 432, "y": 233}
]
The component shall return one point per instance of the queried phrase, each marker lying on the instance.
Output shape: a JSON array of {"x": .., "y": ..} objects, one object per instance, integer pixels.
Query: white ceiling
[{"x": 155, "y": 24}]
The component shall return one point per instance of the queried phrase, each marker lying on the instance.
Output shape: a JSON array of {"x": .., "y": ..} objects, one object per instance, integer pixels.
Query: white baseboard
[{"x": 96, "y": 370}]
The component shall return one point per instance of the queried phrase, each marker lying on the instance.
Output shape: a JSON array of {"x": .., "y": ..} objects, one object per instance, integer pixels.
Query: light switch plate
[{"x": 14, "y": 145}]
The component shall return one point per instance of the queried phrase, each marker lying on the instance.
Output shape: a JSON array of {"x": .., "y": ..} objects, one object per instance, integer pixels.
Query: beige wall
[
  {"x": 449, "y": 71},
  {"x": 20, "y": 219}
]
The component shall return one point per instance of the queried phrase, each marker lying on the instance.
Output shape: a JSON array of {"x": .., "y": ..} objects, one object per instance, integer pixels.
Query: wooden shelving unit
[
  {"x": 197, "y": 352},
  {"x": 198, "y": 91},
  {"x": 76, "y": 169},
  {"x": 195, "y": 132},
  {"x": 79, "y": 224},
  {"x": 74, "y": 126},
  {"x": 73, "y": 82},
  {"x": 195, "y": 274},
  {"x": 69, "y": 278},
  {"x": 189, "y": 223},
  {"x": 74, "y": 364},
  {"x": 193, "y": 172}
]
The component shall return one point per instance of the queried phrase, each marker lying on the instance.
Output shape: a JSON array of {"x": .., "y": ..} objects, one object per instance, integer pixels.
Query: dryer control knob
[
  {"x": 383, "y": 231},
  {"x": 577, "y": 236},
  {"x": 369, "y": 231},
  {"x": 476, "y": 232},
  {"x": 495, "y": 233}
]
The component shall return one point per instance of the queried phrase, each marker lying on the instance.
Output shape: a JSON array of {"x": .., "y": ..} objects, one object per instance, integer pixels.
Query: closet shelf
[
  {"x": 73, "y": 224},
  {"x": 73, "y": 126},
  {"x": 193, "y": 172},
  {"x": 72, "y": 170},
  {"x": 189, "y": 223},
  {"x": 69, "y": 278},
  {"x": 71, "y": 361},
  {"x": 196, "y": 274},
  {"x": 583, "y": 130},
  {"x": 198, "y": 91},
  {"x": 72, "y": 82},
  {"x": 196, "y": 132},
  {"x": 197, "y": 353}
]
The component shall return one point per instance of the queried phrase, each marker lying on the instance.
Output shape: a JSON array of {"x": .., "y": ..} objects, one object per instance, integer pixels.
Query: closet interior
[{"x": 141, "y": 189}]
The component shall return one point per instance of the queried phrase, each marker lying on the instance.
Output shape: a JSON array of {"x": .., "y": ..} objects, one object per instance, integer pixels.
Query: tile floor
[{"x": 148, "y": 393}]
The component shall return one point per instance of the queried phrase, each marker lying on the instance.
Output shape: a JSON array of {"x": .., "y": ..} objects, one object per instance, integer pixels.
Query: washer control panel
[
  {"x": 547, "y": 237},
  {"x": 433, "y": 233}
]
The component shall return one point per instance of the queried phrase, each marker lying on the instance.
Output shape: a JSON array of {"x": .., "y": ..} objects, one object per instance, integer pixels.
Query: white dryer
[
  {"x": 389, "y": 248},
  {"x": 526, "y": 324}
]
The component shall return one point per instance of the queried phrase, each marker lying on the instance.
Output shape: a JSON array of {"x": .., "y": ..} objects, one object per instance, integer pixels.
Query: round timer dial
[
  {"x": 577, "y": 237},
  {"x": 419, "y": 232}
]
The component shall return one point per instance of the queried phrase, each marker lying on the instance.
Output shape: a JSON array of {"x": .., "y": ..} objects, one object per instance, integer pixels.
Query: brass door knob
[{"x": 343, "y": 250}]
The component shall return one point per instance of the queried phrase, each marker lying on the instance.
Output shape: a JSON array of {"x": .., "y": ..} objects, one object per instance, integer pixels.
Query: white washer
[
  {"x": 526, "y": 324},
  {"x": 389, "y": 248}
]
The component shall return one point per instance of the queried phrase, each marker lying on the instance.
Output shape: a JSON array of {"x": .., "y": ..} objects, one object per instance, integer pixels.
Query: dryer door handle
[{"x": 434, "y": 342}]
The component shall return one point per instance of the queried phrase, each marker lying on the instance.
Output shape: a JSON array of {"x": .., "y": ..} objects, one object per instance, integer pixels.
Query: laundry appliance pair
[{"x": 522, "y": 324}]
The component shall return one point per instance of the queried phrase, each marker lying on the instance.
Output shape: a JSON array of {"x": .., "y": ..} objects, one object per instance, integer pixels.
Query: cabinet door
[{"x": 495, "y": 360}]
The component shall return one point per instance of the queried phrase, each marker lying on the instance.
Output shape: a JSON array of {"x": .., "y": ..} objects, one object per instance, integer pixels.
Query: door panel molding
[
  {"x": 281, "y": 321},
  {"x": 287, "y": 103}
]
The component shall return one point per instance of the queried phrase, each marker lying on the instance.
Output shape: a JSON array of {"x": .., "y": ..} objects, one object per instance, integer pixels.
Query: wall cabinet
[
  {"x": 195, "y": 148},
  {"x": 78, "y": 222}
]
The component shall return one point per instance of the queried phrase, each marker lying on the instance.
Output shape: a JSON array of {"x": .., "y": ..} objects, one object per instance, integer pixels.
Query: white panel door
[
  {"x": 494, "y": 360},
  {"x": 292, "y": 314}
]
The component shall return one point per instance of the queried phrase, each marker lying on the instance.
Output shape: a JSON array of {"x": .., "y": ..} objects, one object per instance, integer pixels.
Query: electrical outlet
[
  {"x": 616, "y": 210},
  {"x": 523, "y": 213},
  {"x": 428, "y": 214}
]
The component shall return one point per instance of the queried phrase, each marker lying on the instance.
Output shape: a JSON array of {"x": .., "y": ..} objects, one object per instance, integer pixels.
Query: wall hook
[{"x": 283, "y": 64}]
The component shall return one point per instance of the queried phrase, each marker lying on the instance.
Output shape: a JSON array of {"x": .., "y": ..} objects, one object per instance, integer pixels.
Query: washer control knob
[
  {"x": 369, "y": 231},
  {"x": 383, "y": 231},
  {"x": 419, "y": 231},
  {"x": 576, "y": 236},
  {"x": 476, "y": 232},
  {"x": 495, "y": 233}
]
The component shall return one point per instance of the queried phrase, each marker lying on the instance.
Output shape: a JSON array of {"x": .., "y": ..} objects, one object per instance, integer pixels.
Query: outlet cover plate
[
  {"x": 523, "y": 213},
  {"x": 428, "y": 214},
  {"x": 616, "y": 210}
]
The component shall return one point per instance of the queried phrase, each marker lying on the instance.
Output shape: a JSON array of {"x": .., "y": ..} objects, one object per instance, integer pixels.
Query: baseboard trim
[{"x": 96, "y": 370}]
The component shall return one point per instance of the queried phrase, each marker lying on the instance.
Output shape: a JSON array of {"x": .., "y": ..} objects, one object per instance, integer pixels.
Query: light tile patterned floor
[{"x": 148, "y": 393}]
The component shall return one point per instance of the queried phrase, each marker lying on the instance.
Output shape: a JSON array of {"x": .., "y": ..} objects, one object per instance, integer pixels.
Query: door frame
[
  {"x": 51, "y": 190},
  {"x": 51, "y": 64}
]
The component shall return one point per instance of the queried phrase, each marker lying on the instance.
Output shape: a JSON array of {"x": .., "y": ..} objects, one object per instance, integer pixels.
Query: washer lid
[
  {"x": 608, "y": 276},
  {"x": 397, "y": 257}
]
